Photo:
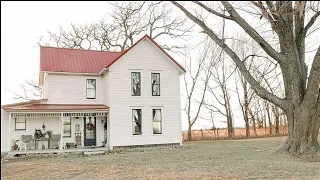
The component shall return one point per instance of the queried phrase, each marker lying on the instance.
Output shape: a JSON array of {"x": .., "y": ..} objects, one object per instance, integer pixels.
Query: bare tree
[
  {"x": 288, "y": 21},
  {"x": 128, "y": 21},
  {"x": 202, "y": 71},
  {"x": 31, "y": 91}
]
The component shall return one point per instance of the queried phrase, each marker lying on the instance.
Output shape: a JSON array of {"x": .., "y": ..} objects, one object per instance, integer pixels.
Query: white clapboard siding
[
  {"x": 71, "y": 89},
  {"x": 5, "y": 128},
  {"x": 145, "y": 57}
]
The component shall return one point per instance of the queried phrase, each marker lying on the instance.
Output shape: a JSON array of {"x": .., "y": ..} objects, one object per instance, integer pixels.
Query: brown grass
[
  {"x": 224, "y": 159},
  {"x": 239, "y": 133}
]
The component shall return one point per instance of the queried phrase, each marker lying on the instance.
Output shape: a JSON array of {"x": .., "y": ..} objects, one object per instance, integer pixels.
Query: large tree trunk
[{"x": 302, "y": 138}]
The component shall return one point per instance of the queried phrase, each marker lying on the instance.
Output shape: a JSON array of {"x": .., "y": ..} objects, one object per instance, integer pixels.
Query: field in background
[
  {"x": 239, "y": 133},
  {"x": 225, "y": 159}
]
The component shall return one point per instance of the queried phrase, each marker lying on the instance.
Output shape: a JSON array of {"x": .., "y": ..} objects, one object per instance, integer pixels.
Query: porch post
[
  {"x": 61, "y": 141},
  {"x": 9, "y": 127}
]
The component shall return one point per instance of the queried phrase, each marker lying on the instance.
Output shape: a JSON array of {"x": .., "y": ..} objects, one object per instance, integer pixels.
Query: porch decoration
[
  {"x": 90, "y": 126},
  {"x": 38, "y": 133},
  {"x": 49, "y": 132}
]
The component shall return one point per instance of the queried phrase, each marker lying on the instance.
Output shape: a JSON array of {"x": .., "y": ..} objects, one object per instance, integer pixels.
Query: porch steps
[
  {"x": 84, "y": 151},
  {"x": 94, "y": 152}
]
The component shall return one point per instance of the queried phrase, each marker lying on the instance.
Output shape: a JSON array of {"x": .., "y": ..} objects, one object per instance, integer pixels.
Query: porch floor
[{"x": 50, "y": 151}]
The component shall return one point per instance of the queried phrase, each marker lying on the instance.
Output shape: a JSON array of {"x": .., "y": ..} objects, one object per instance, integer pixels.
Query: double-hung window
[
  {"x": 136, "y": 84},
  {"x": 136, "y": 121},
  {"x": 91, "y": 89},
  {"x": 156, "y": 121},
  {"x": 20, "y": 123},
  {"x": 155, "y": 84}
]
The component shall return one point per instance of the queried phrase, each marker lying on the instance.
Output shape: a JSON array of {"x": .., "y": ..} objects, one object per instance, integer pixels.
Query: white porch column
[
  {"x": 9, "y": 138},
  {"x": 61, "y": 131}
]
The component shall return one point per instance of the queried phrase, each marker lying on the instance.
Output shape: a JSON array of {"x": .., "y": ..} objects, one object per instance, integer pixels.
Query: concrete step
[{"x": 93, "y": 152}]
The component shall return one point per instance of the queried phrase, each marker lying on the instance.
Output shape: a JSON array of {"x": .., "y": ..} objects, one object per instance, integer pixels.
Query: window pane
[
  {"x": 91, "y": 93},
  {"x": 20, "y": 126},
  {"x": 136, "y": 124},
  {"x": 155, "y": 90},
  {"x": 67, "y": 130},
  {"x": 155, "y": 77},
  {"x": 156, "y": 127},
  {"x": 91, "y": 83},
  {"x": 22, "y": 120},
  {"x": 136, "y": 128},
  {"x": 156, "y": 115}
]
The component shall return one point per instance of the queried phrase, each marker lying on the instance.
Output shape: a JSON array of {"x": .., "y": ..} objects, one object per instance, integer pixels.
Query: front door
[{"x": 89, "y": 131}]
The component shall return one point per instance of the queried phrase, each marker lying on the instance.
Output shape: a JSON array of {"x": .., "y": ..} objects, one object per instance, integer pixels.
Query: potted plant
[{"x": 49, "y": 132}]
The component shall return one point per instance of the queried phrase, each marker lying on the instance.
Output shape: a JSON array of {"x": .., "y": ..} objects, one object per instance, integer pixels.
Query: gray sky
[{"x": 24, "y": 22}]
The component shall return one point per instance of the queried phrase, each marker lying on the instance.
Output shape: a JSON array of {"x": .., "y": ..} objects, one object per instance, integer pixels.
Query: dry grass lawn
[{"x": 229, "y": 159}]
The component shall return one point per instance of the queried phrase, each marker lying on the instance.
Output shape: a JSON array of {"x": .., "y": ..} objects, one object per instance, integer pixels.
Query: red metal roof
[
  {"x": 74, "y": 60},
  {"x": 83, "y": 61},
  {"x": 56, "y": 107}
]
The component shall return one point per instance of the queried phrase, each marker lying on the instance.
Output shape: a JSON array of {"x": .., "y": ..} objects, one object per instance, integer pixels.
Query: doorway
[{"x": 89, "y": 131}]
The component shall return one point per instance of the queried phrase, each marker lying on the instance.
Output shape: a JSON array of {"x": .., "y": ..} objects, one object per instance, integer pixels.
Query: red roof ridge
[{"x": 81, "y": 49}]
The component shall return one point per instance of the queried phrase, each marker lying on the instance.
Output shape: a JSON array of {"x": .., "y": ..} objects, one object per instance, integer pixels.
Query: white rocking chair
[{"x": 21, "y": 145}]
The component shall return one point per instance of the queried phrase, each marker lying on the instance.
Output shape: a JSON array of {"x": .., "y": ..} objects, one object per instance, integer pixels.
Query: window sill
[{"x": 157, "y": 134}]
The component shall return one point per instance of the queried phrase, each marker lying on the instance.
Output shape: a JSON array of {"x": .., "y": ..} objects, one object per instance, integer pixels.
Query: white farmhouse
[{"x": 100, "y": 99}]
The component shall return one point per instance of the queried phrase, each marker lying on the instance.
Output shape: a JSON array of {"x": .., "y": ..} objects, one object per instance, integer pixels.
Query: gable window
[
  {"x": 157, "y": 121},
  {"x": 136, "y": 121},
  {"x": 136, "y": 84},
  {"x": 91, "y": 88},
  {"x": 20, "y": 123},
  {"x": 155, "y": 84},
  {"x": 66, "y": 127}
]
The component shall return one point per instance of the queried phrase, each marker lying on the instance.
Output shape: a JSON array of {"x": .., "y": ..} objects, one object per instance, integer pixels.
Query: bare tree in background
[
  {"x": 288, "y": 21},
  {"x": 193, "y": 78},
  {"x": 129, "y": 21},
  {"x": 31, "y": 91}
]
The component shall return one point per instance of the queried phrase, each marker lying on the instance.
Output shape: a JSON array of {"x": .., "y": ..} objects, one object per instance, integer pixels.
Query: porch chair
[
  {"x": 28, "y": 140},
  {"x": 21, "y": 145},
  {"x": 55, "y": 141}
]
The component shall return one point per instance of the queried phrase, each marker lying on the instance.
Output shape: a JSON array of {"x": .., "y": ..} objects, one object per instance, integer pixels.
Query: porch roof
[{"x": 56, "y": 107}]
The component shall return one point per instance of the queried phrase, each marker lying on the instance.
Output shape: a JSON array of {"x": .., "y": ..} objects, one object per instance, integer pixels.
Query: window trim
[
  {"x": 132, "y": 83},
  {"x": 132, "y": 121},
  {"x": 25, "y": 124},
  {"x": 68, "y": 125},
  {"x": 157, "y": 121},
  {"x": 155, "y": 84},
  {"x": 95, "y": 89}
]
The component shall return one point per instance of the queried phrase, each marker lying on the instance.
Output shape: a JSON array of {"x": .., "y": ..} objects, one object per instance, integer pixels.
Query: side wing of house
[
  {"x": 144, "y": 58},
  {"x": 75, "y": 88}
]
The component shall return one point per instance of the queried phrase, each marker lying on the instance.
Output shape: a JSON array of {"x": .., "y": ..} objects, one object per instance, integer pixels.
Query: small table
[{"x": 41, "y": 139}]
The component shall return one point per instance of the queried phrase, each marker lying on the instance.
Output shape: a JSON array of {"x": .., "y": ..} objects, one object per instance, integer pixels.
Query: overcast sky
[{"x": 22, "y": 23}]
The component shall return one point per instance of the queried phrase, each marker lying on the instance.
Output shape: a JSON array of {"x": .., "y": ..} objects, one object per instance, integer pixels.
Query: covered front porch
[{"x": 48, "y": 127}]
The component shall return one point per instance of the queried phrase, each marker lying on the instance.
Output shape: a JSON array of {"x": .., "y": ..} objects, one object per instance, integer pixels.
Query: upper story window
[
  {"x": 91, "y": 89},
  {"x": 136, "y": 84},
  {"x": 155, "y": 84}
]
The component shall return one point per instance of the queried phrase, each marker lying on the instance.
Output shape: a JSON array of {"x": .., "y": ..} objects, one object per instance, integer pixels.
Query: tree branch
[
  {"x": 254, "y": 34},
  {"x": 262, "y": 92}
]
